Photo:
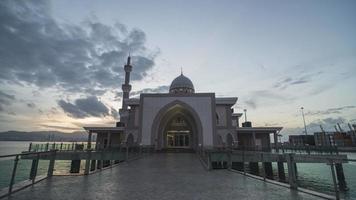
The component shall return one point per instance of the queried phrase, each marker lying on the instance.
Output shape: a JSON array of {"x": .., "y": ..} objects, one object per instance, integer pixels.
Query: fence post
[
  {"x": 291, "y": 171},
  {"x": 87, "y": 162},
  {"x": 13, "y": 173},
  {"x": 34, "y": 167},
  {"x": 127, "y": 152},
  {"x": 51, "y": 163},
  {"x": 334, "y": 180},
  {"x": 30, "y": 147},
  {"x": 209, "y": 161}
]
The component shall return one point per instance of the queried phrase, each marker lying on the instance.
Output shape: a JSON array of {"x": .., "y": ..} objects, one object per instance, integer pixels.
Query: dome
[{"x": 181, "y": 84}]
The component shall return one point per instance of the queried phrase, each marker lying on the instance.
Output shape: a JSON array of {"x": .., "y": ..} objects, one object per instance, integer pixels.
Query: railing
[
  {"x": 22, "y": 172},
  {"x": 309, "y": 149},
  {"x": 38, "y": 147}
]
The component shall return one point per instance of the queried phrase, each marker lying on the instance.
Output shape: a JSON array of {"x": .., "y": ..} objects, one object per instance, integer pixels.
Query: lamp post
[
  {"x": 245, "y": 115},
  {"x": 305, "y": 127}
]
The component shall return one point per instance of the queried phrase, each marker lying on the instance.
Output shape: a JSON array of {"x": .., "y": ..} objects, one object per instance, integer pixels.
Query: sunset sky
[{"x": 61, "y": 62}]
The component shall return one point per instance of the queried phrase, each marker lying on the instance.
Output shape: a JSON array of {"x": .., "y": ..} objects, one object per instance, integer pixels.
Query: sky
[{"x": 61, "y": 62}]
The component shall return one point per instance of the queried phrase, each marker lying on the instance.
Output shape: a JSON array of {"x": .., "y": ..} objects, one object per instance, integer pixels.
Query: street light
[{"x": 305, "y": 127}]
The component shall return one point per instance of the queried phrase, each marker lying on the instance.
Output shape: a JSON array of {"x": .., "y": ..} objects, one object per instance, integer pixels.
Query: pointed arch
[{"x": 166, "y": 114}]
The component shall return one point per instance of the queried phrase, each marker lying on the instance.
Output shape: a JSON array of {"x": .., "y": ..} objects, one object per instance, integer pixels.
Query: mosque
[{"x": 181, "y": 119}]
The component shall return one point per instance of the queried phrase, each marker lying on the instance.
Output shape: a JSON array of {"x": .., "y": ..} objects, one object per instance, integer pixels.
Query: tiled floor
[{"x": 158, "y": 176}]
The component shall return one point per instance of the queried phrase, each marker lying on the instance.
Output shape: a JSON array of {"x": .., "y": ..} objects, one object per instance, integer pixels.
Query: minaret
[{"x": 126, "y": 87}]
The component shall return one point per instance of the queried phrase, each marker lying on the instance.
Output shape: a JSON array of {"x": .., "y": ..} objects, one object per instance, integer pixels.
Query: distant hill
[{"x": 43, "y": 136}]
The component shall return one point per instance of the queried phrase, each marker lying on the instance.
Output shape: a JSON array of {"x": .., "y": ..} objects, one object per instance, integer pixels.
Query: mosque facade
[{"x": 181, "y": 119}]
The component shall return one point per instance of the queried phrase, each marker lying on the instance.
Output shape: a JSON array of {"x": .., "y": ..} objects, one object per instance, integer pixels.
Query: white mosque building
[{"x": 180, "y": 119}]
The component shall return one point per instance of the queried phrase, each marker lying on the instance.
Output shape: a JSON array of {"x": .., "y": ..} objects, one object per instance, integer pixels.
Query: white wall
[
  {"x": 201, "y": 104},
  {"x": 221, "y": 112}
]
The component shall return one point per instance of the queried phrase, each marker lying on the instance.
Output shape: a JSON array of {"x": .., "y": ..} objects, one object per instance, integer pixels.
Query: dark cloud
[
  {"x": 297, "y": 79},
  {"x": 5, "y": 100},
  {"x": 251, "y": 103},
  {"x": 159, "y": 89},
  {"x": 85, "y": 107},
  {"x": 60, "y": 127},
  {"x": 37, "y": 50},
  {"x": 255, "y": 98},
  {"x": 329, "y": 111},
  {"x": 31, "y": 105}
]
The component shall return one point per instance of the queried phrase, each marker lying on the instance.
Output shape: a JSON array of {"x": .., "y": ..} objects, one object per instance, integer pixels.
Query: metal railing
[
  {"x": 59, "y": 146},
  {"x": 32, "y": 173},
  {"x": 309, "y": 149}
]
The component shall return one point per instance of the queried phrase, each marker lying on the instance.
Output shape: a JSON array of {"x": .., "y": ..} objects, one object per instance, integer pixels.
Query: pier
[
  {"x": 246, "y": 162},
  {"x": 158, "y": 176}
]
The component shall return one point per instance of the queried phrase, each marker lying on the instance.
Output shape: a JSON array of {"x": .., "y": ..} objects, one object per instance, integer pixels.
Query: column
[
  {"x": 89, "y": 140},
  {"x": 276, "y": 145}
]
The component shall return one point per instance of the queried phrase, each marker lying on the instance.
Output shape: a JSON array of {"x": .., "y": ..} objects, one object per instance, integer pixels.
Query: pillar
[
  {"x": 92, "y": 165},
  {"x": 75, "y": 166},
  {"x": 254, "y": 168},
  {"x": 291, "y": 171},
  {"x": 254, "y": 140},
  {"x": 89, "y": 140},
  {"x": 34, "y": 166},
  {"x": 87, "y": 163},
  {"x": 281, "y": 172},
  {"x": 340, "y": 177},
  {"x": 51, "y": 163},
  {"x": 109, "y": 140},
  {"x": 268, "y": 169},
  {"x": 238, "y": 166},
  {"x": 276, "y": 145}
]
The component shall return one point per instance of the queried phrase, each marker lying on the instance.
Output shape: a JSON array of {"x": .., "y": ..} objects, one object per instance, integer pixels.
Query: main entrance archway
[{"x": 177, "y": 125}]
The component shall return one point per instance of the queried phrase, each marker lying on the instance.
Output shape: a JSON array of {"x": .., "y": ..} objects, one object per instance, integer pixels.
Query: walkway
[{"x": 159, "y": 176}]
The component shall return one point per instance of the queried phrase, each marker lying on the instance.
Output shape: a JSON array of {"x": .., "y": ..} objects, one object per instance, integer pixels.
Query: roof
[
  {"x": 258, "y": 129},
  {"x": 104, "y": 129},
  {"x": 226, "y": 100},
  {"x": 238, "y": 115},
  {"x": 181, "y": 82}
]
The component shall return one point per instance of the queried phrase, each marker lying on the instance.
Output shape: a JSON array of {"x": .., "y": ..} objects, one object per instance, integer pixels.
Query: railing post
[
  {"x": 30, "y": 147},
  {"x": 263, "y": 167},
  {"x": 87, "y": 162},
  {"x": 12, "y": 181},
  {"x": 334, "y": 180},
  {"x": 51, "y": 163},
  {"x": 229, "y": 159},
  {"x": 127, "y": 152},
  {"x": 291, "y": 171},
  {"x": 209, "y": 161},
  {"x": 34, "y": 168}
]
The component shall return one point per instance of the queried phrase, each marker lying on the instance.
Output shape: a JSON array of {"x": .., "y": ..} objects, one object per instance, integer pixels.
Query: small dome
[{"x": 181, "y": 84}]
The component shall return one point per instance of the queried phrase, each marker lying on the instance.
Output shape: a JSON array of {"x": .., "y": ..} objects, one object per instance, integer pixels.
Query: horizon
[{"x": 61, "y": 62}]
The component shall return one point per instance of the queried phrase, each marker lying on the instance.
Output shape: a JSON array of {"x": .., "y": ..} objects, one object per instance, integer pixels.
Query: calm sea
[{"x": 312, "y": 176}]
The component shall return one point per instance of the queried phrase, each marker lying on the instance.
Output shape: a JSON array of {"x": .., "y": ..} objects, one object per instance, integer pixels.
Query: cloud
[
  {"x": 254, "y": 98},
  {"x": 5, "y": 100},
  {"x": 295, "y": 80},
  {"x": 85, "y": 107},
  {"x": 159, "y": 89},
  {"x": 31, "y": 105},
  {"x": 329, "y": 111},
  {"x": 251, "y": 103},
  {"x": 327, "y": 124},
  {"x": 88, "y": 58}
]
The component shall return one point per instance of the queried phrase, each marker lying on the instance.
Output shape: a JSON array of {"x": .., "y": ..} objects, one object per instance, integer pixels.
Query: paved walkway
[{"x": 160, "y": 176}]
